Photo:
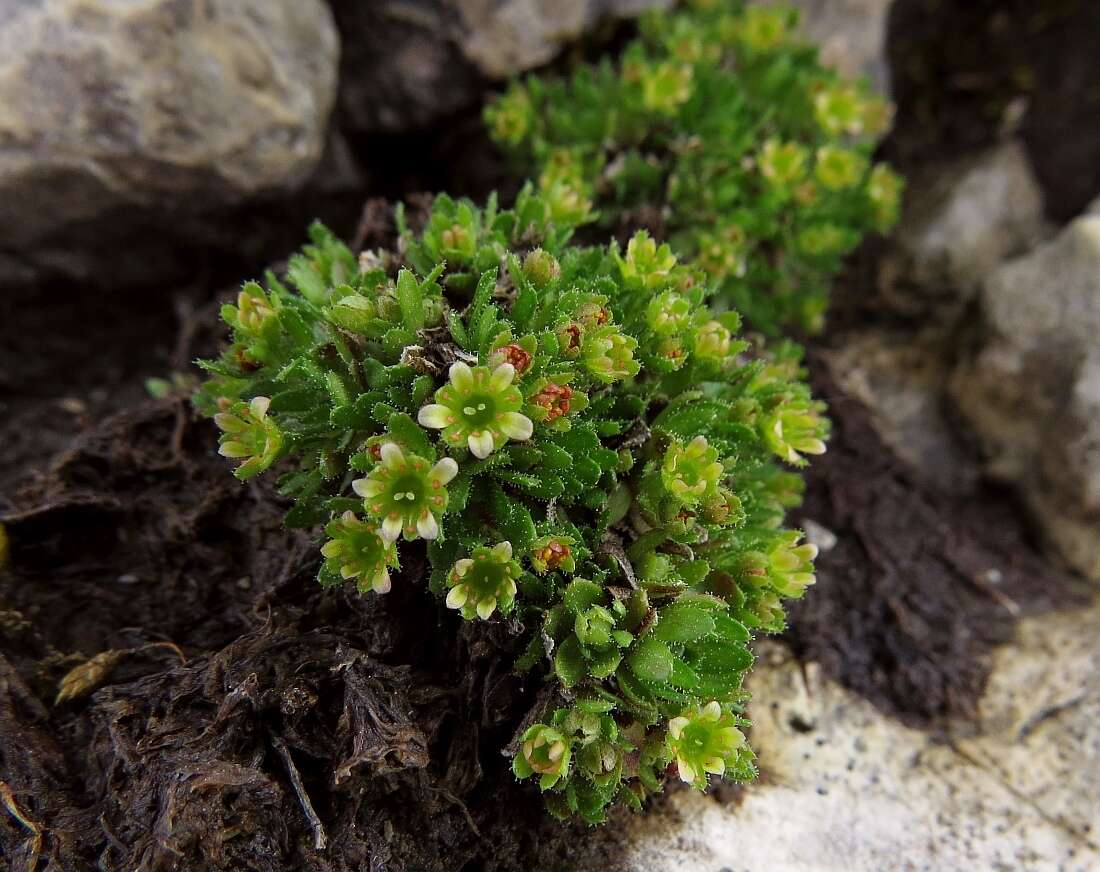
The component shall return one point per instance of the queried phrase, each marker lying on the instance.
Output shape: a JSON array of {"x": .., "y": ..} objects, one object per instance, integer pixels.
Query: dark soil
[
  {"x": 921, "y": 585},
  {"x": 306, "y": 730}
]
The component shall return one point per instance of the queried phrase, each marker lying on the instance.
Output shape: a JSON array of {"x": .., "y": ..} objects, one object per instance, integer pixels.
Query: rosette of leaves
[
  {"x": 720, "y": 120},
  {"x": 571, "y": 437}
]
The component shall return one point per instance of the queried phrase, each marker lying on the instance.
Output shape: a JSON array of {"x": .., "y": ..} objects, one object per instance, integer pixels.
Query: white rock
[
  {"x": 844, "y": 788},
  {"x": 819, "y": 535},
  {"x": 408, "y": 64},
  {"x": 902, "y": 379}
]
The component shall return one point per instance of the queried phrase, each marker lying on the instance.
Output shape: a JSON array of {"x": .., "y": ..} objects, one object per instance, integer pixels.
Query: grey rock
[
  {"x": 902, "y": 379},
  {"x": 409, "y": 63},
  {"x": 959, "y": 222},
  {"x": 114, "y": 109},
  {"x": 819, "y": 535},
  {"x": 1031, "y": 390},
  {"x": 503, "y": 39}
]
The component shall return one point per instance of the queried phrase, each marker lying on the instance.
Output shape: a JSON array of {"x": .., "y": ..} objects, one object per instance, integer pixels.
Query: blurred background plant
[{"x": 719, "y": 128}]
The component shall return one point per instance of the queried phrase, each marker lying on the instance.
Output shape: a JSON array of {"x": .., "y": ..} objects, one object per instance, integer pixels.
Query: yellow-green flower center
[
  {"x": 486, "y": 578},
  {"x": 695, "y": 738},
  {"x": 407, "y": 491},
  {"x": 479, "y": 410}
]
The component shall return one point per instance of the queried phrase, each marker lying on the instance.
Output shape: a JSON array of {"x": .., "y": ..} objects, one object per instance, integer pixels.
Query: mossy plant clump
[
  {"x": 587, "y": 453},
  {"x": 722, "y": 129}
]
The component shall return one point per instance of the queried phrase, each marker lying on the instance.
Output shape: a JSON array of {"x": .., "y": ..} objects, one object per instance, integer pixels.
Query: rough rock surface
[
  {"x": 111, "y": 111},
  {"x": 408, "y": 63},
  {"x": 961, "y": 220},
  {"x": 844, "y": 788},
  {"x": 505, "y": 38},
  {"x": 902, "y": 380},
  {"x": 851, "y": 33},
  {"x": 1031, "y": 391}
]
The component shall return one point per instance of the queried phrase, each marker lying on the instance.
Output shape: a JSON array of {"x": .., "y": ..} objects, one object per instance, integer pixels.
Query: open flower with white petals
[
  {"x": 406, "y": 493},
  {"x": 250, "y": 435},
  {"x": 484, "y": 582},
  {"x": 704, "y": 740},
  {"x": 354, "y": 550},
  {"x": 478, "y": 409}
]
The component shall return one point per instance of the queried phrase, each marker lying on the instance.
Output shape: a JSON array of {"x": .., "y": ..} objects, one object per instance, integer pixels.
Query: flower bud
[{"x": 541, "y": 268}]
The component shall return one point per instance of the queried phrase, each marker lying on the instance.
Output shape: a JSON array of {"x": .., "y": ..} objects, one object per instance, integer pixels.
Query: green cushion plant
[
  {"x": 718, "y": 127},
  {"x": 588, "y": 453}
]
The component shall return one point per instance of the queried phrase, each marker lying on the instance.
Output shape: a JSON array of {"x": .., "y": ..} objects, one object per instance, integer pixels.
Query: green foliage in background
[
  {"x": 588, "y": 453},
  {"x": 720, "y": 130}
]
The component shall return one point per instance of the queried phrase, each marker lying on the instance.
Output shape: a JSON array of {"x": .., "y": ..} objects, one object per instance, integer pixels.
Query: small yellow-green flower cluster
[
  {"x": 793, "y": 427},
  {"x": 691, "y": 472},
  {"x": 484, "y": 581},
  {"x": 405, "y": 493},
  {"x": 356, "y": 551},
  {"x": 543, "y": 751},
  {"x": 720, "y": 129}
]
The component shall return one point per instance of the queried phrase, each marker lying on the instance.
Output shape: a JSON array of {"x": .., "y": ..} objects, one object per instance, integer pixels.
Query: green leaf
[
  {"x": 544, "y": 487},
  {"x": 581, "y": 594},
  {"x": 292, "y": 323},
  {"x": 410, "y": 434},
  {"x": 458, "y": 492},
  {"x": 294, "y": 400},
  {"x": 422, "y": 388},
  {"x": 307, "y": 513},
  {"x": 524, "y": 307},
  {"x": 554, "y": 457},
  {"x": 716, "y": 657},
  {"x": 682, "y": 622},
  {"x": 486, "y": 284},
  {"x": 569, "y": 663},
  {"x": 357, "y": 416},
  {"x": 396, "y": 339},
  {"x": 604, "y": 663},
  {"x": 458, "y": 330},
  {"x": 302, "y": 274},
  {"x": 512, "y": 519},
  {"x": 651, "y": 659},
  {"x": 410, "y": 298},
  {"x": 730, "y": 629}
]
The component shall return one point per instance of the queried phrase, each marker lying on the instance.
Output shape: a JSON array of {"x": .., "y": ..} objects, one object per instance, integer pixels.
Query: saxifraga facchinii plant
[
  {"x": 720, "y": 128},
  {"x": 584, "y": 447}
]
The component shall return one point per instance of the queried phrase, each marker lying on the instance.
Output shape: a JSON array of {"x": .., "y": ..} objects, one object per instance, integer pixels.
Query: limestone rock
[
  {"x": 902, "y": 379},
  {"x": 1031, "y": 391},
  {"x": 111, "y": 108},
  {"x": 844, "y": 788},
  {"x": 408, "y": 63},
  {"x": 960, "y": 222},
  {"x": 505, "y": 38}
]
